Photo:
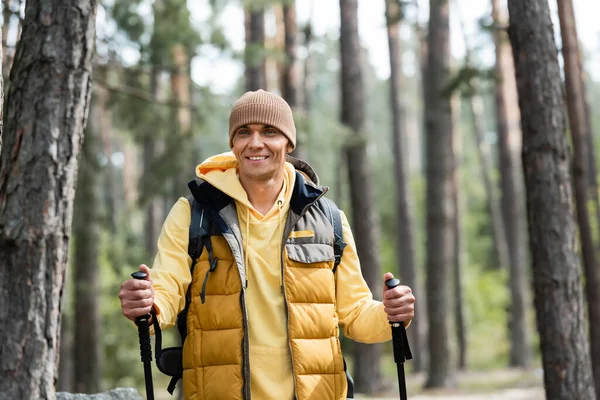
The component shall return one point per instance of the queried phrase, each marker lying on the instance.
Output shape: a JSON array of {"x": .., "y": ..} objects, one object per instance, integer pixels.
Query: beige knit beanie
[{"x": 265, "y": 108}]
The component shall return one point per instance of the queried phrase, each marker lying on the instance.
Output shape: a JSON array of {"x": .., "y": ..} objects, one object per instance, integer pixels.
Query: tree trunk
[
  {"x": 459, "y": 246},
  {"x": 484, "y": 154},
  {"x": 155, "y": 206},
  {"x": 557, "y": 283},
  {"x": 592, "y": 170},
  {"x": 439, "y": 206},
  {"x": 6, "y": 14},
  {"x": 86, "y": 232},
  {"x": 1, "y": 91},
  {"x": 476, "y": 107},
  {"x": 66, "y": 365},
  {"x": 579, "y": 133},
  {"x": 103, "y": 118},
  {"x": 367, "y": 376},
  {"x": 45, "y": 117},
  {"x": 405, "y": 239},
  {"x": 180, "y": 87},
  {"x": 307, "y": 89},
  {"x": 289, "y": 77},
  {"x": 255, "y": 49},
  {"x": 511, "y": 181}
]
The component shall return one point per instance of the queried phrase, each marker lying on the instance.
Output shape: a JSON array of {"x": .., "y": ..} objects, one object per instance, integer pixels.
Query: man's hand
[
  {"x": 399, "y": 302},
  {"x": 137, "y": 295}
]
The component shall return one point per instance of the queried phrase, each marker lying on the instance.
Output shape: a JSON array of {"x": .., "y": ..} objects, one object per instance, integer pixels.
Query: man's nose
[{"x": 256, "y": 139}]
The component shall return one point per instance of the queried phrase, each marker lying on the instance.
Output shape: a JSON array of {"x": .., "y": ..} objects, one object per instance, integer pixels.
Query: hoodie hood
[
  {"x": 221, "y": 172},
  {"x": 225, "y": 161}
]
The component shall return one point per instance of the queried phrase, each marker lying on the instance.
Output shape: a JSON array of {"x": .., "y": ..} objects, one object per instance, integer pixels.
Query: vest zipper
[
  {"x": 245, "y": 342},
  {"x": 287, "y": 311},
  {"x": 245, "y": 347}
]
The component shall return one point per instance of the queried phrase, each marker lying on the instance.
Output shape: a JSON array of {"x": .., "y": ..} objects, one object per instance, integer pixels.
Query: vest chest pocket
[{"x": 311, "y": 255}]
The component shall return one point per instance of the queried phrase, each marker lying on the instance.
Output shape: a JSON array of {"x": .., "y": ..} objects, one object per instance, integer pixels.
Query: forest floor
[{"x": 475, "y": 385}]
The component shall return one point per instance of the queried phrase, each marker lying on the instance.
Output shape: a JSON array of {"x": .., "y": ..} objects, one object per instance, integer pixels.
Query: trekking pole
[
  {"x": 400, "y": 344},
  {"x": 145, "y": 345}
]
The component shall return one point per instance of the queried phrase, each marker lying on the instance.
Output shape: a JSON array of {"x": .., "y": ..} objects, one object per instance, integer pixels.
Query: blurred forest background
[{"x": 408, "y": 111}]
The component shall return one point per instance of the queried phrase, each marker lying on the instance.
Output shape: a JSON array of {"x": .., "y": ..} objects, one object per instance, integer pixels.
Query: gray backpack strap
[{"x": 331, "y": 210}]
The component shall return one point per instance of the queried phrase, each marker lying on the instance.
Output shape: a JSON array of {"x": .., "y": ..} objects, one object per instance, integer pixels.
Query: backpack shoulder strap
[
  {"x": 199, "y": 228},
  {"x": 331, "y": 210}
]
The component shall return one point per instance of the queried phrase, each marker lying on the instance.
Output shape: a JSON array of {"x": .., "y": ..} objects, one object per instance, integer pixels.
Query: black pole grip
[
  {"x": 145, "y": 344},
  {"x": 399, "y": 340},
  {"x": 143, "y": 327}
]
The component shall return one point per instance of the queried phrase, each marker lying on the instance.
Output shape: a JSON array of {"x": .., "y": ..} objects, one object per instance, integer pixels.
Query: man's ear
[{"x": 290, "y": 148}]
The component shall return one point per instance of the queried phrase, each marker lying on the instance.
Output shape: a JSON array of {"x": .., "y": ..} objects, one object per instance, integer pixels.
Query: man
[{"x": 263, "y": 321}]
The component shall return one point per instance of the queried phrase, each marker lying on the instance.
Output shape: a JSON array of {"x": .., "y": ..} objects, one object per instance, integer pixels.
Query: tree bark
[
  {"x": 101, "y": 99},
  {"x": 1, "y": 91},
  {"x": 439, "y": 203},
  {"x": 484, "y": 154},
  {"x": 557, "y": 283},
  {"x": 511, "y": 182},
  {"x": 66, "y": 366},
  {"x": 405, "y": 239},
  {"x": 290, "y": 75},
  {"x": 459, "y": 244},
  {"x": 255, "y": 49},
  {"x": 367, "y": 375},
  {"x": 155, "y": 206},
  {"x": 47, "y": 107},
  {"x": 86, "y": 231},
  {"x": 576, "y": 109},
  {"x": 6, "y": 14}
]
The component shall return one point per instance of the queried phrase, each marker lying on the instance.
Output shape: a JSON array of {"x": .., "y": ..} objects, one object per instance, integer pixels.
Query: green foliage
[
  {"x": 171, "y": 27},
  {"x": 463, "y": 80},
  {"x": 129, "y": 18}
]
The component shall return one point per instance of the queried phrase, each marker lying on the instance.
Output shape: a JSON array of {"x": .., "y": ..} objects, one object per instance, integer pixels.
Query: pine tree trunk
[
  {"x": 1, "y": 91},
  {"x": 307, "y": 88},
  {"x": 459, "y": 244},
  {"x": 513, "y": 199},
  {"x": 476, "y": 108},
  {"x": 405, "y": 239},
  {"x": 6, "y": 13},
  {"x": 45, "y": 117},
  {"x": 367, "y": 375},
  {"x": 439, "y": 203},
  {"x": 290, "y": 76},
  {"x": 255, "y": 49},
  {"x": 86, "y": 232},
  {"x": 558, "y": 292},
  {"x": 484, "y": 154},
  {"x": 66, "y": 366},
  {"x": 155, "y": 207},
  {"x": 579, "y": 133},
  {"x": 104, "y": 120},
  {"x": 180, "y": 89}
]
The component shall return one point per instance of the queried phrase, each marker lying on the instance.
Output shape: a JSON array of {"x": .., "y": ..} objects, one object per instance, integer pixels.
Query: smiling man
[{"x": 268, "y": 296}]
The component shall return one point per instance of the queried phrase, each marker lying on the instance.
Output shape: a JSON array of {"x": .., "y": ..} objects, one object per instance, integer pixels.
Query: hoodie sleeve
[
  {"x": 171, "y": 269},
  {"x": 362, "y": 318}
]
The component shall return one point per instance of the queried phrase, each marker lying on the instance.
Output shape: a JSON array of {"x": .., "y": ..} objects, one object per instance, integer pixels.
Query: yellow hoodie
[{"x": 361, "y": 318}]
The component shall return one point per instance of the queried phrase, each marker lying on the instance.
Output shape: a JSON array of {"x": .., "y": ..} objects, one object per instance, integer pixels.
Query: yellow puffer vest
[{"x": 215, "y": 353}]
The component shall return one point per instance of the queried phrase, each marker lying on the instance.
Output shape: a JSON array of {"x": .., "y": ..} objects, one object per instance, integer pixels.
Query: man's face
[{"x": 260, "y": 151}]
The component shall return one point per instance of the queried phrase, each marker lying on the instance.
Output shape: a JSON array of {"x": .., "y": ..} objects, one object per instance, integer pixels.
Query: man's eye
[
  {"x": 243, "y": 132},
  {"x": 271, "y": 132}
]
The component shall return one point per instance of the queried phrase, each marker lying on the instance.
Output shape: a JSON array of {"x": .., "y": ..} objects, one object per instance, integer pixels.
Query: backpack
[{"x": 170, "y": 360}]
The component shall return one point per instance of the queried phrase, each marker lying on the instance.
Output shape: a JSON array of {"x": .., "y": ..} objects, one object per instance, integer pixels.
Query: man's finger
[{"x": 144, "y": 268}]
